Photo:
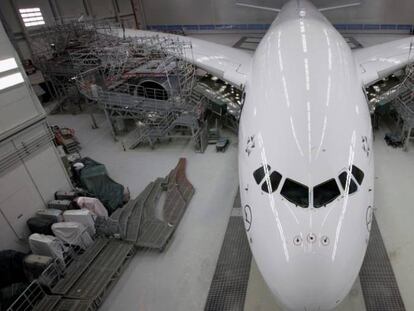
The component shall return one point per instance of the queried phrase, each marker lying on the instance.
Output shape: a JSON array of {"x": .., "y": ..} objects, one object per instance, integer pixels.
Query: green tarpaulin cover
[{"x": 94, "y": 178}]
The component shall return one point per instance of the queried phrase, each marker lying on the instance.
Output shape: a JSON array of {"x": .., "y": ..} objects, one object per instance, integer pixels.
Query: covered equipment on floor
[
  {"x": 94, "y": 178},
  {"x": 82, "y": 216},
  {"x": 11, "y": 267},
  {"x": 39, "y": 224},
  {"x": 46, "y": 245},
  {"x": 72, "y": 233}
]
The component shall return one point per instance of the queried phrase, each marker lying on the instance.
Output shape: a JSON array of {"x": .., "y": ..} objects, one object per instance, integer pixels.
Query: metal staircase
[
  {"x": 159, "y": 118},
  {"x": 153, "y": 132}
]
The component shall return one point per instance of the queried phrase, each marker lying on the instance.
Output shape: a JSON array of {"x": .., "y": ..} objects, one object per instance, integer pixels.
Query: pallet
[
  {"x": 48, "y": 303},
  {"x": 78, "y": 267},
  {"x": 95, "y": 280},
  {"x": 134, "y": 221},
  {"x": 155, "y": 234},
  {"x": 74, "y": 305}
]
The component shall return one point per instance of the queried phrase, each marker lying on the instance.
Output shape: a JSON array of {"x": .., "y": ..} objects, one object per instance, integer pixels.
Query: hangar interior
[{"x": 119, "y": 158}]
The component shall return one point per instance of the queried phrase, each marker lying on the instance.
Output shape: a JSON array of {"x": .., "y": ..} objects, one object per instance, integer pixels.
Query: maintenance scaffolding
[
  {"x": 147, "y": 80},
  {"x": 404, "y": 106},
  {"x": 51, "y": 47}
]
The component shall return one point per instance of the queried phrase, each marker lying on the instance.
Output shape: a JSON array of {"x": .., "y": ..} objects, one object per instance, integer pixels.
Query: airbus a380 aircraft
[{"x": 306, "y": 164}]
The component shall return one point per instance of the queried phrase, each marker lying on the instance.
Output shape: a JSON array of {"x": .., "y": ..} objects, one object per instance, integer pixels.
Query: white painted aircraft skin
[{"x": 307, "y": 113}]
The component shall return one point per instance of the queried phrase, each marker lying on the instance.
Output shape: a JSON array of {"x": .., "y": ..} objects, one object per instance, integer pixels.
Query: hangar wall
[
  {"x": 30, "y": 166},
  {"x": 194, "y": 12},
  {"x": 160, "y": 12},
  {"x": 54, "y": 10}
]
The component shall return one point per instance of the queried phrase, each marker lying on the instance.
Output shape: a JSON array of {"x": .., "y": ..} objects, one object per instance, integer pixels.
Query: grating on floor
[
  {"x": 378, "y": 282},
  {"x": 229, "y": 285}
]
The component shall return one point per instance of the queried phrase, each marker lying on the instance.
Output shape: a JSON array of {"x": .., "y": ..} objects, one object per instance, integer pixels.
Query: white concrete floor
[{"x": 179, "y": 279}]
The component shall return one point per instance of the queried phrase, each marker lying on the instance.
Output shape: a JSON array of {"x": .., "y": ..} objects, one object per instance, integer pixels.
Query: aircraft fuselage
[{"x": 306, "y": 161}]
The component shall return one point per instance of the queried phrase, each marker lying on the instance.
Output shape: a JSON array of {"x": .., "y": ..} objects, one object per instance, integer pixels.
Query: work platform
[
  {"x": 88, "y": 279},
  {"x": 138, "y": 221}
]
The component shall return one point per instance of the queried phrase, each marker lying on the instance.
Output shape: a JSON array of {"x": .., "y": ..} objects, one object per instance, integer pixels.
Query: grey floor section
[
  {"x": 229, "y": 285},
  {"x": 379, "y": 285}
]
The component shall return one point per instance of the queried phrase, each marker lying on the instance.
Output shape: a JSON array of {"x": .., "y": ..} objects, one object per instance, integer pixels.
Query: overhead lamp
[
  {"x": 11, "y": 80},
  {"x": 8, "y": 64}
]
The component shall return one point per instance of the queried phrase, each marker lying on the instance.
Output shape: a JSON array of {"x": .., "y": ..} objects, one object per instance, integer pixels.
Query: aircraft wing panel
[
  {"x": 379, "y": 61},
  {"x": 227, "y": 63}
]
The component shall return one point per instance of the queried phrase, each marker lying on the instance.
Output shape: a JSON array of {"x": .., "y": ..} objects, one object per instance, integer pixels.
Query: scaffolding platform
[
  {"x": 146, "y": 79},
  {"x": 134, "y": 221},
  {"x": 48, "y": 303},
  {"x": 138, "y": 219},
  {"x": 404, "y": 106},
  {"x": 88, "y": 279},
  {"x": 78, "y": 267},
  {"x": 125, "y": 214},
  {"x": 155, "y": 234},
  {"x": 74, "y": 305},
  {"x": 57, "y": 303},
  {"x": 94, "y": 283}
]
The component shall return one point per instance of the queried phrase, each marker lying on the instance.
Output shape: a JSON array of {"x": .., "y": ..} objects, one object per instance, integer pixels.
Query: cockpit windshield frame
[
  {"x": 325, "y": 193},
  {"x": 295, "y": 193}
]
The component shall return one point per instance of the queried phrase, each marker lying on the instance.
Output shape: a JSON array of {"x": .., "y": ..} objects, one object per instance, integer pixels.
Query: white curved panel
[{"x": 379, "y": 61}]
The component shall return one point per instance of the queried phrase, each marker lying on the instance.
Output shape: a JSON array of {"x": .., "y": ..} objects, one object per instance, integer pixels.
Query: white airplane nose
[
  {"x": 312, "y": 296},
  {"x": 314, "y": 283}
]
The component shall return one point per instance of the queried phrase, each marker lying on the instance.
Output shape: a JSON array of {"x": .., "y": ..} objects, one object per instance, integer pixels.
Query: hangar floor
[{"x": 180, "y": 278}]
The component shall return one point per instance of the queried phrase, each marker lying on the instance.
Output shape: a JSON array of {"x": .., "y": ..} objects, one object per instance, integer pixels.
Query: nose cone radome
[{"x": 313, "y": 283}]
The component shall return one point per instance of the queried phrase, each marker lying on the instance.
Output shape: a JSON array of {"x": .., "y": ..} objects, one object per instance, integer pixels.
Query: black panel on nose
[
  {"x": 358, "y": 174},
  {"x": 274, "y": 179},
  {"x": 352, "y": 185},
  {"x": 260, "y": 173}
]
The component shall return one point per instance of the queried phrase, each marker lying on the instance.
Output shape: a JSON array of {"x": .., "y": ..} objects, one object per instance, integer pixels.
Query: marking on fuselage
[
  {"x": 365, "y": 146},
  {"x": 369, "y": 216},
  {"x": 250, "y": 145},
  {"x": 248, "y": 217}
]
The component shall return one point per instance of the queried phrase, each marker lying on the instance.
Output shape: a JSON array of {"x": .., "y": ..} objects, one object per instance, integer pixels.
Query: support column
[
  {"x": 57, "y": 15},
  {"x": 116, "y": 10},
  {"x": 139, "y": 14},
  {"x": 88, "y": 8}
]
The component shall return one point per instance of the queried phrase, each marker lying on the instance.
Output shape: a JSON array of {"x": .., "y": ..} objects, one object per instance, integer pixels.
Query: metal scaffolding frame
[
  {"x": 118, "y": 85},
  {"x": 145, "y": 78},
  {"x": 404, "y": 106},
  {"x": 52, "y": 47}
]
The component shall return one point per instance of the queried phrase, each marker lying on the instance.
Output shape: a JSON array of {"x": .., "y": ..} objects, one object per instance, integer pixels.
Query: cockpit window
[
  {"x": 273, "y": 180},
  {"x": 260, "y": 173},
  {"x": 358, "y": 174},
  {"x": 325, "y": 193},
  {"x": 352, "y": 185},
  {"x": 296, "y": 193}
]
